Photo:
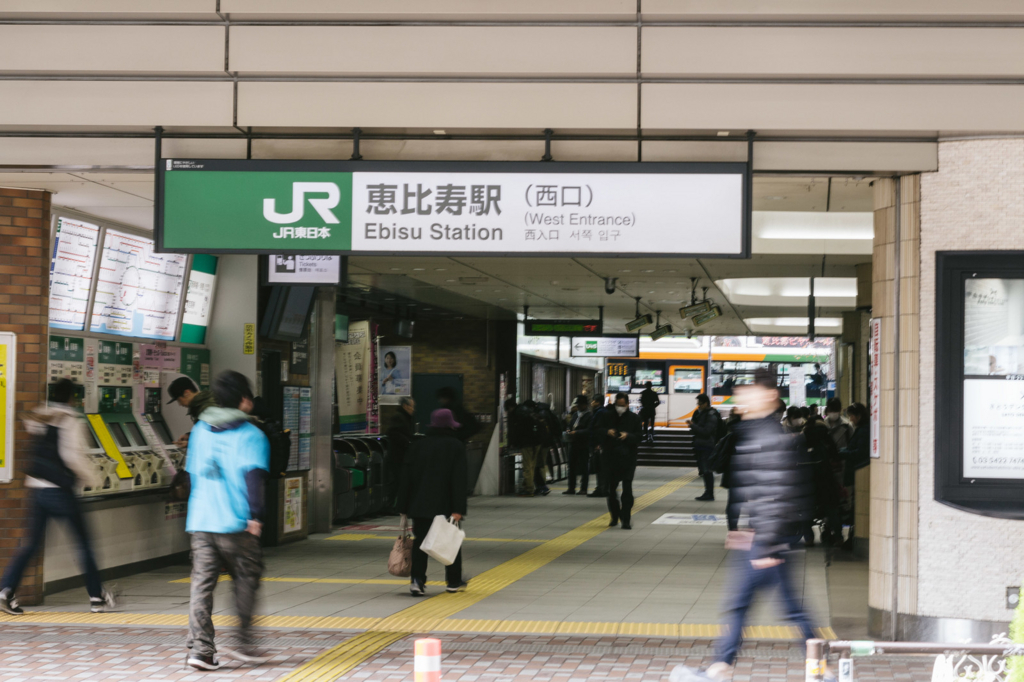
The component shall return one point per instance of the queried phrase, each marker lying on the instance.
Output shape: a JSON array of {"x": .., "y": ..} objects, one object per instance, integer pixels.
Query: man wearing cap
[
  {"x": 185, "y": 392},
  {"x": 434, "y": 484}
]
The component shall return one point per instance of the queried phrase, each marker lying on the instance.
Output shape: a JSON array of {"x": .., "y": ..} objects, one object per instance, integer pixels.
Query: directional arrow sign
[{"x": 604, "y": 347}]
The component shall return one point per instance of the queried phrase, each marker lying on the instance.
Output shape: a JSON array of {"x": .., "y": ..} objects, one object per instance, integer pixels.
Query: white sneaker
[
  {"x": 104, "y": 603},
  {"x": 719, "y": 671}
]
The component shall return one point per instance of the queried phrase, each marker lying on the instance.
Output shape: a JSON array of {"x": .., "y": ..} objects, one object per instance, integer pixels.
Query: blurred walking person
[
  {"x": 434, "y": 484},
  {"x": 649, "y": 402},
  {"x": 58, "y": 464},
  {"x": 776, "y": 494},
  {"x": 228, "y": 460}
]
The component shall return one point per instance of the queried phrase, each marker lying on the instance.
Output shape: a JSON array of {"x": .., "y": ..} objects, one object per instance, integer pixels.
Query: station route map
[
  {"x": 138, "y": 292},
  {"x": 74, "y": 254}
]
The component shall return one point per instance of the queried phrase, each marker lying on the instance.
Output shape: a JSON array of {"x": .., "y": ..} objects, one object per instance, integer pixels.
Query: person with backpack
[
  {"x": 706, "y": 427},
  {"x": 526, "y": 433},
  {"x": 721, "y": 463},
  {"x": 228, "y": 459},
  {"x": 58, "y": 464}
]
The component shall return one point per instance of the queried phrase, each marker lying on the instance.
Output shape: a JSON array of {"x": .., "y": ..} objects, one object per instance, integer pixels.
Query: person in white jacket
[{"x": 58, "y": 464}]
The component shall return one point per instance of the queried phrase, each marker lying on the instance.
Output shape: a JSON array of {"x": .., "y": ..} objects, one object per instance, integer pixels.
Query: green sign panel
[
  {"x": 115, "y": 353},
  {"x": 66, "y": 348},
  {"x": 195, "y": 364},
  {"x": 269, "y": 211}
]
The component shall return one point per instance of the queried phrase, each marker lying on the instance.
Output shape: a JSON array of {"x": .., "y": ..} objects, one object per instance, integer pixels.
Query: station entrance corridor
[{"x": 552, "y": 590}]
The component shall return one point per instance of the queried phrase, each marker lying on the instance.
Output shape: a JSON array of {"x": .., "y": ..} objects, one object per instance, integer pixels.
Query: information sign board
[
  {"x": 604, "y": 347},
  {"x": 561, "y": 327},
  {"x": 74, "y": 255},
  {"x": 402, "y": 207},
  {"x": 138, "y": 291},
  {"x": 304, "y": 269},
  {"x": 8, "y": 357},
  {"x": 202, "y": 280}
]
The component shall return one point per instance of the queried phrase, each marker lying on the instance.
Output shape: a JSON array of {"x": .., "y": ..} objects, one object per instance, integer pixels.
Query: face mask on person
[
  {"x": 620, "y": 409},
  {"x": 832, "y": 416},
  {"x": 799, "y": 422}
]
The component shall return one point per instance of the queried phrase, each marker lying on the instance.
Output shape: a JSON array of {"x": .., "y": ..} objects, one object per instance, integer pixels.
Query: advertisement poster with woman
[{"x": 395, "y": 372}]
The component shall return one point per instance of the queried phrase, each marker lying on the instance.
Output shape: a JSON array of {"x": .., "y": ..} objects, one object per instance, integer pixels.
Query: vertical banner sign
[
  {"x": 373, "y": 395},
  {"x": 8, "y": 348},
  {"x": 199, "y": 298},
  {"x": 797, "y": 387},
  {"x": 292, "y": 504},
  {"x": 875, "y": 379},
  {"x": 249, "y": 339},
  {"x": 351, "y": 367}
]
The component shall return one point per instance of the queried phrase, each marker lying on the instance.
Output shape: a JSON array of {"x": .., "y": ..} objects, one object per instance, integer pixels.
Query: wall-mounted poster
[
  {"x": 138, "y": 291},
  {"x": 993, "y": 378},
  {"x": 395, "y": 373},
  {"x": 74, "y": 254},
  {"x": 352, "y": 371},
  {"x": 8, "y": 348}
]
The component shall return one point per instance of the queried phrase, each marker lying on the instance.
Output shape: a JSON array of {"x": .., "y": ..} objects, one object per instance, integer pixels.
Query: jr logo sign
[{"x": 322, "y": 205}]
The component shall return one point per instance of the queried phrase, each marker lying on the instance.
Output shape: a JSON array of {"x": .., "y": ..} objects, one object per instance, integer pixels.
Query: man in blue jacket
[{"x": 228, "y": 458}]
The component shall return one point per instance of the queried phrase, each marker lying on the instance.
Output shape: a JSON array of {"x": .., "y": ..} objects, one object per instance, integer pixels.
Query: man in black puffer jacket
[{"x": 777, "y": 494}]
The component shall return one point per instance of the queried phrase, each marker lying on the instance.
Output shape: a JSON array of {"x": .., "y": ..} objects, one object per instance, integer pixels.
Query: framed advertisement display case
[{"x": 979, "y": 382}]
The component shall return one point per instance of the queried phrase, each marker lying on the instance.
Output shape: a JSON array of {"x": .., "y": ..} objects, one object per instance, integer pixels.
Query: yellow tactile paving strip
[
  {"x": 438, "y": 625},
  {"x": 328, "y": 581},
  {"x": 355, "y": 537},
  {"x": 335, "y": 662}
]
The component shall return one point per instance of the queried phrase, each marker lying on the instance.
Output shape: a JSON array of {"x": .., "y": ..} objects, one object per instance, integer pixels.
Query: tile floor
[{"x": 651, "y": 574}]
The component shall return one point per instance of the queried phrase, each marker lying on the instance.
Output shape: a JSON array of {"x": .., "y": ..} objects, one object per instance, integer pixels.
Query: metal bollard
[
  {"x": 427, "y": 666},
  {"x": 815, "y": 660},
  {"x": 845, "y": 670}
]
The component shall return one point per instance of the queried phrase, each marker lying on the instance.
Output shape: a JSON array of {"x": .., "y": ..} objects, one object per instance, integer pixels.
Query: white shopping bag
[{"x": 443, "y": 541}]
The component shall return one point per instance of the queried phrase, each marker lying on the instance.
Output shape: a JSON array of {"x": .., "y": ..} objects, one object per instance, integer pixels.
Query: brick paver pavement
[{"x": 147, "y": 654}]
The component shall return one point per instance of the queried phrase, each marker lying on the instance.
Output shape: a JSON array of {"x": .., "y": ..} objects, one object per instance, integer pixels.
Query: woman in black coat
[{"x": 434, "y": 484}]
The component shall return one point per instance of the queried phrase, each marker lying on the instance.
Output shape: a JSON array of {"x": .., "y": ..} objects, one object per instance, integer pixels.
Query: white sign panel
[
  {"x": 797, "y": 388},
  {"x": 690, "y": 520},
  {"x": 612, "y": 213},
  {"x": 303, "y": 269},
  {"x": 994, "y": 427},
  {"x": 74, "y": 253},
  {"x": 875, "y": 360},
  {"x": 604, "y": 347},
  {"x": 138, "y": 291}
]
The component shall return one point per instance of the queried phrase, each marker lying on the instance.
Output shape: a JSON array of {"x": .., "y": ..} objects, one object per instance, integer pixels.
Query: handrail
[{"x": 954, "y": 661}]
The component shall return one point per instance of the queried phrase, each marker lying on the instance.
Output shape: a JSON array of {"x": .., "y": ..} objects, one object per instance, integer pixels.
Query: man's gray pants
[{"x": 242, "y": 555}]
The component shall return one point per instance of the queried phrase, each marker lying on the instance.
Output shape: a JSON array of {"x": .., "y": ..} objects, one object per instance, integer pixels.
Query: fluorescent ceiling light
[
  {"x": 835, "y": 292},
  {"x": 814, "y": 225},
  {"x": 794, "y": 325}
]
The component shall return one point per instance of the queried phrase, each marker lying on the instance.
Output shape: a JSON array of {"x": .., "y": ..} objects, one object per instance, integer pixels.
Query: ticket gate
[
  {"x": 375, "y": 473},
  {"x": 346, "y": 478}
]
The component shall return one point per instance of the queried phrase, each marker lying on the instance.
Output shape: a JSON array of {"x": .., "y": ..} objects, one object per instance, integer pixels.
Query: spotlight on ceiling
[
  {"x": 661, "y": 332},
  {"x": 640, "y": 322},
  {"x": 704, "y": 318},
  {"x": 695, "y": 309}
]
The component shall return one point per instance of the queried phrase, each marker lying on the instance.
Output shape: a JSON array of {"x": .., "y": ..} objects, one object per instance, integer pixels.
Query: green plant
[{"x": 1015, "y": 666}]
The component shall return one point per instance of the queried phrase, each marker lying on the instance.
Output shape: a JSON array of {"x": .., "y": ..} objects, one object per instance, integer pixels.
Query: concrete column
[
  {"x": 24, "y": 292},
  {"x": 883, "y": 469}
]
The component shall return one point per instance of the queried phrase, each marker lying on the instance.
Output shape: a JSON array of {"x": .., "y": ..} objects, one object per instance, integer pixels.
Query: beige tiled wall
[
  {"x": 974, "y": 202},
  {"x": 881, "y": 470}
]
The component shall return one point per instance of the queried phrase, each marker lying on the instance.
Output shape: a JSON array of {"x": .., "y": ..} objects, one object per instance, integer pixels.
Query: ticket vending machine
[
  {"x": 148, "y": 410},
  {"x": 115, "y": 410}
]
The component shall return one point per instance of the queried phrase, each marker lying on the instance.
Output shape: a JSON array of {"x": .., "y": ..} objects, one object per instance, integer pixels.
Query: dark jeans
[
  {"x": 746, "y": 581},
  {"x": 597, "y": 468},
  {"x": 452, "y": 574},
  {"x": 647, "y": 422},
  {"x": 242, "y": 555},
  {"x": 703, "y": 453},
  {"x": 579, "y": 466},
  {"x": 59, "y": 504},
  {"x": 620, "y": 470},
  {"x": 732, "y": 511}
]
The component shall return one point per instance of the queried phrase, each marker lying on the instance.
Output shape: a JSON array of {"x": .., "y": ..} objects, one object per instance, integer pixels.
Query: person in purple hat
[{"x": 433, "y": 484}]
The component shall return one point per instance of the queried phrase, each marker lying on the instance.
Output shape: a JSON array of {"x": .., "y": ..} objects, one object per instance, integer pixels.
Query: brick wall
[
  {"x": 24, "y": 265},
  {"x": 457, "y": 347},
  {"x": 974, "y": 202}
]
